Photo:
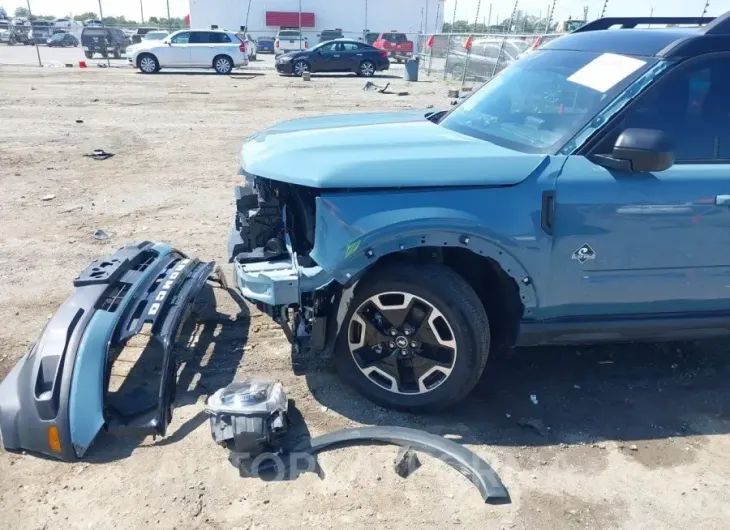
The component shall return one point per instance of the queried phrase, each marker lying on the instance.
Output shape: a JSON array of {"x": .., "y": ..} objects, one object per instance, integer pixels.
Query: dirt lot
[{"x": 626, "y": 437}]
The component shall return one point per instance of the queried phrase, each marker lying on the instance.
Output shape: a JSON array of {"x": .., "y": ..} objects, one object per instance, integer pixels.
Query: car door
[
  {"x": 351, "y": 55},
  {"x": 174, "y": 51},
  {"x": 202, "y": 48},
  {"x": 651, "y": 243},
  {"x": 326, "y": 58}
]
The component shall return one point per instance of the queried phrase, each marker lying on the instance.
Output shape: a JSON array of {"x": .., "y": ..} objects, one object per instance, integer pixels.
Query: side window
[
  {"x": 691, "y": 106},
  {"x": 329, "y": 47},
  {"x": 219, "y": 38},
  {"x": 181, "y": 38},
  {"x": 350, "y": 46}
]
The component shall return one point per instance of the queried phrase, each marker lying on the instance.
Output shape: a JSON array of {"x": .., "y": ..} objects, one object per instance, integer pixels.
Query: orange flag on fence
[
  {"x": 429, "y": 42},
  {"x": 467, "y": 43}
]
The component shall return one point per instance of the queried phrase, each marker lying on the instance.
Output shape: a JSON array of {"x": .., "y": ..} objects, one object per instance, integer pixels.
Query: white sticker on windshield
[{"x": 606, "y": 71}]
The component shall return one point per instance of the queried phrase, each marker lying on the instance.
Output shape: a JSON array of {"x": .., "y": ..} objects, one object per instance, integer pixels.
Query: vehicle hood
[{"x": 375, "y": 150}]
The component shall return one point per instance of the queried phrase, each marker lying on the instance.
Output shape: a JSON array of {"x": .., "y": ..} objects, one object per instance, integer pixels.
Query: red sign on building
[{"x": 289, "y": 19}]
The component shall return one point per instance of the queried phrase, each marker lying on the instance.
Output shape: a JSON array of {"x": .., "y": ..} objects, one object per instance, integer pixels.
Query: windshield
[{"x": 538, "y": 103}]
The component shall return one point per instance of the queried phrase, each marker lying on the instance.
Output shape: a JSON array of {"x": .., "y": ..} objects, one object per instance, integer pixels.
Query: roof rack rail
[{"x": 632, "y": 22}]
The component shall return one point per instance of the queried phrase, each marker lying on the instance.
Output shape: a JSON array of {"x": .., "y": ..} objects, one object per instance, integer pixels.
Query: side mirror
[{"x": 639, "y": 151}]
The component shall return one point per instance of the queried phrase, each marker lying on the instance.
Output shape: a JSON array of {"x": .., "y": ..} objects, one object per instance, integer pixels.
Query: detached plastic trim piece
[{"x": 457, "y": 456}]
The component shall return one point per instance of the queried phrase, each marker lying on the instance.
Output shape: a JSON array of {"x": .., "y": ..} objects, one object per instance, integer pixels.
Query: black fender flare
[{"x": 455, "y": 455}]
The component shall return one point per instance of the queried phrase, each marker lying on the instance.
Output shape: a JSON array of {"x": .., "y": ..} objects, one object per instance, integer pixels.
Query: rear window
[
  {"x": 395, "y": 37},
  {"x": 289, "y": 34},
  {"x": 94, "y": 32}
]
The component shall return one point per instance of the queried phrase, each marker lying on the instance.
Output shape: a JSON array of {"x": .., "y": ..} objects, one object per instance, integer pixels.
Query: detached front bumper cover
[{"x": 56, "y": 399}]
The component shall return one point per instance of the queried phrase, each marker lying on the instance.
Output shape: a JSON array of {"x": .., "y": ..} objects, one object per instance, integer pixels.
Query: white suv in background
[
  {"x": 221, "y": 50},
  {"x": 289, "y": 40}
]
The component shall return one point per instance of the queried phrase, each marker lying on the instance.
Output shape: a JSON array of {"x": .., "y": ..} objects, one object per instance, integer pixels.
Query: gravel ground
[{"x": 620, "y": 437}]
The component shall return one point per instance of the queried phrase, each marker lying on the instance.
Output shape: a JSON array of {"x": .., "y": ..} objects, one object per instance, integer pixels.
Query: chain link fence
[{"x": 489, "y": 54}]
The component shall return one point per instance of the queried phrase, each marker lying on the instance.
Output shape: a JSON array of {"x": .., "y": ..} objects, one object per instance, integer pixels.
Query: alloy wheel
[
  {"x": 301, "y": 68},
  {"x": 402, "y": 343},
  {"x": 223, "y": 65},
  {"x": 367, "y": 69},
  {"x": 147, "y": 64}
]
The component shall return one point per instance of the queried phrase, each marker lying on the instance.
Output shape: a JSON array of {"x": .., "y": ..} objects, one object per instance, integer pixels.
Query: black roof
[
  {"x": 709, "y": 35},
  {"x": 644, "y": 42}
]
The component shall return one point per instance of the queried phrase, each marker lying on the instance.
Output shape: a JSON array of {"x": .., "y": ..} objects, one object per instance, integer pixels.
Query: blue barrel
[{"x": 411, "y": 70}]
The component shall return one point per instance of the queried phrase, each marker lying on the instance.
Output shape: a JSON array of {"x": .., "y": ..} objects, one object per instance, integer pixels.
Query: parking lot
[{"x": 615, "y": 437}]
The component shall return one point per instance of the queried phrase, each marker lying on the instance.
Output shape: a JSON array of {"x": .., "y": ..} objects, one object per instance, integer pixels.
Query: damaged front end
[
  {"x": 269, "y": 243},
  {"x": 133, "y": 303}
]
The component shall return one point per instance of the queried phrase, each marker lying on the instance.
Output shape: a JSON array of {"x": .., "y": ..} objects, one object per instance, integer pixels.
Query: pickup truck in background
[{"x": 396, "y": 44}]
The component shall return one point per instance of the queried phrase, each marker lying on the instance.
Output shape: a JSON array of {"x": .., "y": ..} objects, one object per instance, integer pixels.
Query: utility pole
[
  {"x": 301, "y": 33},
  {"x": 550, "y": 11},
  {"x": 365, "y": 29},
  {"x": 585, "y": 13},
  {"x": 101, "y": 17},
  {"x": 426, "y": 22},
  {"x": 141, "y": 10},
  {"x": 37, "y": 51},
  {"x": 605, "y": 5},
  {"x": 468, "y": 52},
  {"x": 489, "y": 17},
  {"x": 707, "y": 4},
  {"x": 169, "y": 20}
]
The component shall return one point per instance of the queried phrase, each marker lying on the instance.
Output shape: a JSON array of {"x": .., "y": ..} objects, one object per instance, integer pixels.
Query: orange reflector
[{"x": 54, "y": 439}]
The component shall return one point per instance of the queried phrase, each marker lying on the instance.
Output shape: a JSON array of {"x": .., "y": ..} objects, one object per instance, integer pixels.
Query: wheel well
[
  {"x": 497, "y": 290},
  {"x": 222, "y": 55},
  {"x": 146, "y": 54}
]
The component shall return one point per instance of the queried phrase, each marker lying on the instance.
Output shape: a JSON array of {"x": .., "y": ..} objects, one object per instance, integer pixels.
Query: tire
[
  {"x": 148, "y": 64},
  {"x": 223, "y": 64},
  {"x": 117, "y": 53},
  {"x": 253, "y": 57},
  {"x": 366, "y": 69},
  {"x": 457, "y": 332},
  {"x": 300, "y": 67},
  {"x": 89, "y": 55}
]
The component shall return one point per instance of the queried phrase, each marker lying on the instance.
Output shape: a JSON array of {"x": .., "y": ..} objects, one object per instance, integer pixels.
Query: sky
[{"x": 466, "y": 9}]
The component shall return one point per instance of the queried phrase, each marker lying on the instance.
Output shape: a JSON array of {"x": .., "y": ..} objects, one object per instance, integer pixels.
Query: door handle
[{"x": 722, "y": 200}]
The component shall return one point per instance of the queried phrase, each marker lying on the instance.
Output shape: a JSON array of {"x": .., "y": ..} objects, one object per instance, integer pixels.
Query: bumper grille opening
[
  {"x": 115, "y": 297},
  {"x": 146, "y": 259}
]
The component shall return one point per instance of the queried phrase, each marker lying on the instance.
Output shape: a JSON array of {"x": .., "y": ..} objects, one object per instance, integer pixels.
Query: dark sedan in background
[
  {"x": 62, "y": 40},
  {"x": 342, "y": 55}
]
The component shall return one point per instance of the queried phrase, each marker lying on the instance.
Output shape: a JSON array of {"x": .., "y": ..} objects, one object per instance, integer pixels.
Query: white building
[{"x": 353, "y": 17}]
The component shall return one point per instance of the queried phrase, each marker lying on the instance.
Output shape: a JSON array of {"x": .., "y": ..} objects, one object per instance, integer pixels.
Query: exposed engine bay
[{"x": 262, "y": 207}]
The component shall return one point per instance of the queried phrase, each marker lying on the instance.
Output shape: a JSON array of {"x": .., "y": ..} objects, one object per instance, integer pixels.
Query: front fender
[{"x": 355, "y": 229}]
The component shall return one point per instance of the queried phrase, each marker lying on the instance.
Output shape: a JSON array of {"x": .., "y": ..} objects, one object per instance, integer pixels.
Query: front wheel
[
  {"x": 300, "y": 68},
  {"x": 148, "y": 64},
  {"x": 88, "y": 55},
  {"x": 222, "y": 65},
  {"x": 367, "y": 69},
  {"x": 416, "y": 338},
  {"x": 117, "y": 53}
]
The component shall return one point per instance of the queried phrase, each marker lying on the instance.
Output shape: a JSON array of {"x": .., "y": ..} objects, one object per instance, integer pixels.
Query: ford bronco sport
[{"x": 581, "y": 196}]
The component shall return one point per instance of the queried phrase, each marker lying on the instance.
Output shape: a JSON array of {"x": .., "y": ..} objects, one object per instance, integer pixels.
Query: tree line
[
  {"x": 522, "y": 23},
  {"x": 174, "y": 22}
]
